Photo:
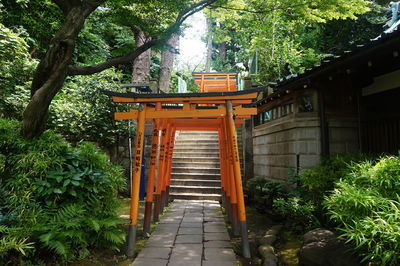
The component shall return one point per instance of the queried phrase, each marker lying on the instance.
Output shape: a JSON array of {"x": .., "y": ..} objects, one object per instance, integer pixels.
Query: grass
[{"x": 288, "y": 247}]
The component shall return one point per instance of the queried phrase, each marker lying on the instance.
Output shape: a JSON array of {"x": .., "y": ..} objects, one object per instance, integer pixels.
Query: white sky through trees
[{"x": 191, "y": 48}]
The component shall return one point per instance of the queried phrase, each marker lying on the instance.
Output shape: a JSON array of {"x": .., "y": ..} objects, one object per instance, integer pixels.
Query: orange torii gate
[{"x": 217, "y": 111}]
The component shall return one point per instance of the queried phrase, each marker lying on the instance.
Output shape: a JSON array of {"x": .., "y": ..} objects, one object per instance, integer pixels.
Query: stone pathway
[{"x": 191, "y": 233}]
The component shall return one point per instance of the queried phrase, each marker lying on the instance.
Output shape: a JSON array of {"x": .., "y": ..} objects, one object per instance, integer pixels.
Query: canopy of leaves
[{"x": 289, "y": 36}]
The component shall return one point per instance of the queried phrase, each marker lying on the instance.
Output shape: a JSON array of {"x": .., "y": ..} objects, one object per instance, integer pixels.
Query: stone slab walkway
[{"x": 191, "y": 233}]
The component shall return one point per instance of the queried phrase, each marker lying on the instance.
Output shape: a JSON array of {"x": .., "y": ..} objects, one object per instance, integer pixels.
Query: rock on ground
[{"x": 322, "y": 247}]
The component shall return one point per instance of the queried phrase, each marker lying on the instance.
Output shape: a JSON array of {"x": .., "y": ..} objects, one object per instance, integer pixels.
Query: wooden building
[{"x": 349, "y": 103}]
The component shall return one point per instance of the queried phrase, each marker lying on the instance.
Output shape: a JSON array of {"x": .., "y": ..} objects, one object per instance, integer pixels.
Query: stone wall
[
  {"x": 343, "y": 135},
  {"x": 286, "y": 144}
]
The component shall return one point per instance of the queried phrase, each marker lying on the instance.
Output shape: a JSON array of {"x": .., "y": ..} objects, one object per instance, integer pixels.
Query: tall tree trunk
[
  {"x": 52, "y": 71},
  {"x": 167, "y": 63},
  {"x": 141, "y": 65},
  {"x": 209, "y": 45},
  {"x": 222, "y": 51}
]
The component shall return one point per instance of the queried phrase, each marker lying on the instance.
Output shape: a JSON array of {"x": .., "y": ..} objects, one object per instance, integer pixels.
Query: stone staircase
[{"x": 195, "y": 166}]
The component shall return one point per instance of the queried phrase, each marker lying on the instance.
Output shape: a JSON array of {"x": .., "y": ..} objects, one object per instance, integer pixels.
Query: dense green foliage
[
  {"x": 16, "y": 69},
  {"x": 82, "y": 112},
  {"x": 366, "y": 206},
  {"x": 55, "y": 198},
  {"x": 289, "y": 36},
  {"x": 355, "y": 194}
]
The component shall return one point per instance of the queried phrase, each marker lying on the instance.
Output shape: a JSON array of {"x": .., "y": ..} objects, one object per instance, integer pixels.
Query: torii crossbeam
[{"x": 217, "y": 111}]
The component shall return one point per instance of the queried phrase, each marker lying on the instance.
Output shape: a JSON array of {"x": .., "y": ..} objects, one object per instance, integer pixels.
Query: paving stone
[
  {"x": 192, "y": 220},
  {"x": 216, "y": 236},
  {"x": 147, "y": 262},
  {"x": 170, "y": 221},
  {"x": 190, "y": 231},
  {"x": 166, "y": 228},
  {"x": 187, "y": 252},
  {"x": 212, "y": 228},
  {"x": 214, "y": 219},
  {"x": 160, "y": 241},
  {"x": 219, "y": 254},
  {"x": 180, "y": 262},
  {"x": 192, "y": 215},
  {"x": 217, "y": 244},
  {"x": 218, "y": 263},
  {"x": 155, "y": 253},
  {"x": 213, "y": 213},
  {"x": 184, "y": 224},
  {"x": 189, "y": 239}
]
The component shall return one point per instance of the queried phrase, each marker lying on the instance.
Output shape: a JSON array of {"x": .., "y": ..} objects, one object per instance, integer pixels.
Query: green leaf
[
  {"x": 75, "y": 183},
  {"x": 57, "y": 191},
  {"x": 66, "y": 182}
]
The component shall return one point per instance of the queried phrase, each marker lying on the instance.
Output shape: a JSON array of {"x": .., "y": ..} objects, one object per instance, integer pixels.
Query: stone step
[
  {"x": 195, "y": 196},
  {"x": 198, "y": 149},
  {"x": 189, "y": 137},
  {"x": 189, "y": 164},
  {"x": 197, "y": 170},
  {"x": 195, "y": 189},
  {"x": 194, "y": 153},
  {"x": 194, "y": 133},
  {"x": 197, "y": 176},
  {"x": 195, "y": 159},
  {"x": 195, "y": 182},
  {"x": 196, "y": 141}
]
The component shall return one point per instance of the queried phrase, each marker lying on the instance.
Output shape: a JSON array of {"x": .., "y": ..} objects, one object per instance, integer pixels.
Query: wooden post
[
  {"x": 165, "y": 168},
  {"x": 232, "y": 183},
  {"x": 238, "y": 181},
  {"x": 160, "y": 174},
  {"x": 228, "y": 179},
  {"x": 169, "y": 166},
  {"x": 222, "y": 166},
  {"x": 150, "y": 181},
  {"x": 137, "y": 163}
]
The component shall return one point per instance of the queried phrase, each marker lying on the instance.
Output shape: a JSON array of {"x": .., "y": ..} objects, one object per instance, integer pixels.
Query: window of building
[{"x": 305, "y": 104}]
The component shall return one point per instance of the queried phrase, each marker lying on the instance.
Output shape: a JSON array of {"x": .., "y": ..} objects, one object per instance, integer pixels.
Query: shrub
[
  {"x": 54, "y": 197},
  {"x": 319, "y": 180},
  {"x": 365, "y": 205},
  {"x": 297, "y": 213},
  {"x": 263, "y": 191}
]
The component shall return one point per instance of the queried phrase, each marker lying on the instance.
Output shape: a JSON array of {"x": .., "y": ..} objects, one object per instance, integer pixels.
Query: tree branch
[
  {"x": 182, "y": 16},
  {"x": 89, "y": 70}
]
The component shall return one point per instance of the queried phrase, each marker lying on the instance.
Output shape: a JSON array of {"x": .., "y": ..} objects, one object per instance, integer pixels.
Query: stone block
[
  {"x": 147, "y": 262},
  {"x": 309, "y": 161},
  {"x": 190, "y": 231},
  {"x": 301, "y": 147},
  {"x": 187, "y": 252},
  {"x": 217, "y": 244},
  {"x": 182, "y": 262},
  {"x": 219, "y": 254},
  {"x": 155, "y": 253},
  {"x": 307, "y": 133},
  {"x": 216, "y": 236},
  {"x": 314, "y": 147},
  {"x": 212, "y": 228},
  {"x": 192, "y": 220},
  {"x": 189, "y": 239}
]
